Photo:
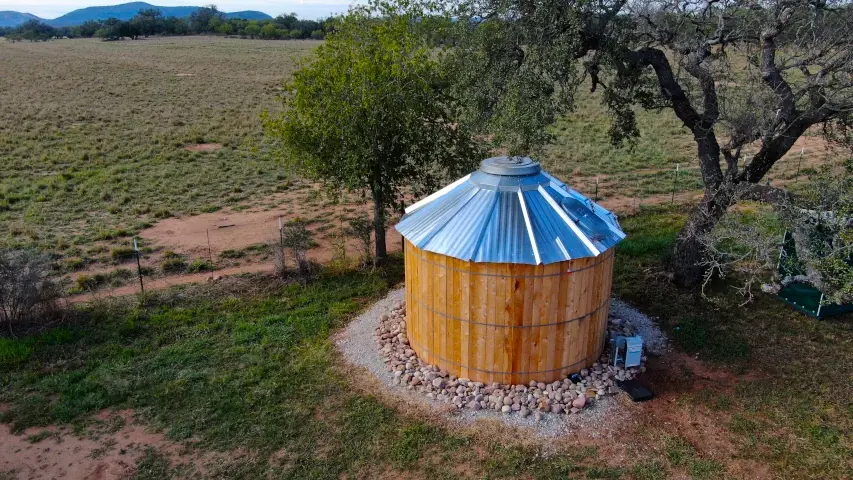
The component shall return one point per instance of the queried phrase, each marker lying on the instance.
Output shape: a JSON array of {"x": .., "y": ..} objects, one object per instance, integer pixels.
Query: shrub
[
  {"x": 73, "y": 264},
  {"x": 85, "y": 283},
  {"x": 230, "y": 253},
  {"x": 361, "y": 228},
  {"x": 296, "y": 238},
  {"x": 120, "y": 254},
  {"x": 173, "y": 265},
  {"x": 26, "y": 292},
  {"x": 197, "y": 266},
  {"x": 111, "y": 233}
]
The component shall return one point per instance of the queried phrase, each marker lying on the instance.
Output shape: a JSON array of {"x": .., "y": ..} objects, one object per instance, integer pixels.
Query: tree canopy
[
  {"x": 369, "y": 112},
  {"x": 746, "y": 79}
]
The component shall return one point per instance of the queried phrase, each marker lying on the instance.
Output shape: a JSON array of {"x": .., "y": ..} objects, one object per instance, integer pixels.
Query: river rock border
[{"x": 536, "y": 398}]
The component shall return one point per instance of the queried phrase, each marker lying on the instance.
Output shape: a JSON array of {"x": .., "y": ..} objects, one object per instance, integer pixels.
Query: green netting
[{"x": 802, "y": 296}]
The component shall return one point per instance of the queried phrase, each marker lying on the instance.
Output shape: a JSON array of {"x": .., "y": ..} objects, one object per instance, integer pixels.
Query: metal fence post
[
  {"x": 281, "y": 245},
  {"x": 138, "y": 265},
  {"x": 596, "y": 189},
  {"x": 799, "y": 163},
  {"x": 674, "y": 183}
]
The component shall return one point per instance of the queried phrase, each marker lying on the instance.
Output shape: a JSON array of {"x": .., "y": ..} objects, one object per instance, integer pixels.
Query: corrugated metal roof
[{"x": 510, "y": 211}]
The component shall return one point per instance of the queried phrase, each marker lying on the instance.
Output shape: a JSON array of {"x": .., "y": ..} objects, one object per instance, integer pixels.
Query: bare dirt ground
[
  {"x": 234, "y": 230},
  {"x": 108, "y": 451},
  {"x": 171, "y": 281},
  {"x": 208, "y": 236},
  {"x": 201, "y": 147}
]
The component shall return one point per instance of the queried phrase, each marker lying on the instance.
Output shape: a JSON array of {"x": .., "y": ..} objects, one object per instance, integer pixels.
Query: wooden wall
[{"x": 507, "y": 323}]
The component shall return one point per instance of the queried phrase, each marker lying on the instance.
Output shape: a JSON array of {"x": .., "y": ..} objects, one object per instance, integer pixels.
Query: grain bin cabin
[{"x": 508, "y": 275}]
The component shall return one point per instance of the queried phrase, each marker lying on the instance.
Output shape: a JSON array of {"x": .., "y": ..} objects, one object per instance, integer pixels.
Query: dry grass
[
  {"x": 94, "y": 134},
  {"x": 100, "y": 140}
]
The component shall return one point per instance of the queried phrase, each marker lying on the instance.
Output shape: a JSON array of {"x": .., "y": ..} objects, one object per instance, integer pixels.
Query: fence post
[
  {"x": 209, "y": 254},
  {"x": 799, "y": 162},
  {"x": 138, "y": 265},
  {"x": 596, "y": 189},
  {"x": 674, "y": 183},
  {"x": 281, "y": 245},
  {"x": 638, "y": 200}
]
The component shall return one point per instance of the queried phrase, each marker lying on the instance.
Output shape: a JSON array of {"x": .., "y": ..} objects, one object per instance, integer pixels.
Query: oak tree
[{"x": 746, "y": 79}]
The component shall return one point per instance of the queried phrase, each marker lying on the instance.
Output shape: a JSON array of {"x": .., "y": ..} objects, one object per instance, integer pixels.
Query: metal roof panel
[{"x": 510, "y": 212}]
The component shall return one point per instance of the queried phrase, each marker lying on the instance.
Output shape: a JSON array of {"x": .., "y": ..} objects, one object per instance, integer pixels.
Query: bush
[
  {"x": 197, "y": 266},
  {"x": 295, "y": 237},
  {"x": 27, "y": 294},
  {"x": 361, "y": 228},
  {"x": 115, "y": 278},
  {"x": 120, "y": 254},
  {"x": 173, "y": 265},
  {"x": 85, "y": 283},
  {"x": 73, "y": 264}
]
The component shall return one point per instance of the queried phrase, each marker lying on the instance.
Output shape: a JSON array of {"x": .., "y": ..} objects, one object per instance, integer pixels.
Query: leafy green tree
[
  {"x": 269, "y": 31},
  {"x": 252, "y": 29},
  {"x": 369, "y": 113},
  {"x": 34, "y": 30},
  {"x": 88, "y": 28},
  {"x": 148, "y": 21},
  {"x": 205, "y": 19},
  {"x": 746, "y": 79},
  {"x": 225, "y": 29},
  {"x": 111, "y": 30}
]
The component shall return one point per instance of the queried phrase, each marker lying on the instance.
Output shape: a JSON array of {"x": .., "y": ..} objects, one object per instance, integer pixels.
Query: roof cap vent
[{"x": 510, "y": 166}]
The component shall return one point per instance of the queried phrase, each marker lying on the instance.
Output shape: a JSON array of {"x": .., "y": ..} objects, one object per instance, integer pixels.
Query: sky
[{"x": 304, "y": 9}]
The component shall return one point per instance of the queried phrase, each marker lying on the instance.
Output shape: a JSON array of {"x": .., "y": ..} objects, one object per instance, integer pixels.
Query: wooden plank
[
  {"x": 560, "y": 330},
  {"x": 465, "y": 312},
  {"x": 517, "y": 312},
  {"x": 480, "y": 314},
  {"x": 507, "y": 296},
  {"x": 491, "y": 302}
]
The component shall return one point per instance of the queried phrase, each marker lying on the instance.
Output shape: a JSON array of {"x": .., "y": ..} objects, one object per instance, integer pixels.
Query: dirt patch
[
  {"x": 171, "y": 281},
  {"x": 184, "y": 74},
  {"x": 203, "y": 147},
  {"x": 104, "y": 453},
  {"x": 622, "y": 204},
  {"x": 236, "y": 230}
]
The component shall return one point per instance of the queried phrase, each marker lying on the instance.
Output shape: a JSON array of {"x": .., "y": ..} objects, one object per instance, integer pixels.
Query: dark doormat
[{"x": 637, "y": 391}]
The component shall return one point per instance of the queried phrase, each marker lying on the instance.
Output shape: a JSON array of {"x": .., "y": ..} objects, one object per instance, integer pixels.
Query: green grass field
[
  {"x": 92, "y": 140},
  {"x": 252, "y": 373},
  {"x": 93, "y": 134}
]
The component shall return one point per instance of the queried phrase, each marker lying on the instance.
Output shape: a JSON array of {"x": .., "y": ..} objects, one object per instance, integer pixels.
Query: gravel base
[
  {"x": 654, "y": 340},
  {"x": 358, "y": 344}
]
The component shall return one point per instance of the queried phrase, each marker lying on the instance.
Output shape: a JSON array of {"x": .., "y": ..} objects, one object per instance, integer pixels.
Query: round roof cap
[{"x": 510, "y": 166}]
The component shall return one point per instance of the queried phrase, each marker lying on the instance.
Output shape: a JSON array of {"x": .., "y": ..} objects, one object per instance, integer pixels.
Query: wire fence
[
  {"x": 186, "y": 255},
  {"x": 227, "y": 248}
]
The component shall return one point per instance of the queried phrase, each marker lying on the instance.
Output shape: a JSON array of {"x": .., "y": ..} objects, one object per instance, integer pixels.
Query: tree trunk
[
  {"x": 379, "y": 226},
  {"x": 687, "y": 257}
]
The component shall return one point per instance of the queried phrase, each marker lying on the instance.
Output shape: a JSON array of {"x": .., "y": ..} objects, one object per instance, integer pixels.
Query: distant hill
[
  {"x": 13, "y": 19},
  {"x": 125, "y": 11},
  {"x": 248, "y": 15}
]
